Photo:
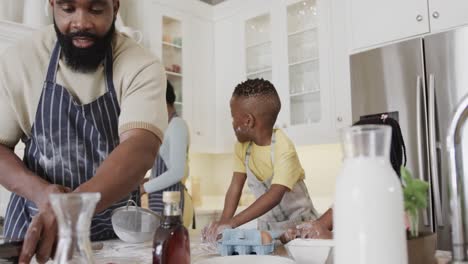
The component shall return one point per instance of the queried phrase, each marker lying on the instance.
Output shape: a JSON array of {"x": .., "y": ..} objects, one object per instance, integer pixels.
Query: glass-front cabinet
[
  {"x": 172, "y": 45},
  {"x": 288, "y": 42},
  {"x": 303, "y": 62},
  {"x": 258, "y": 47}
]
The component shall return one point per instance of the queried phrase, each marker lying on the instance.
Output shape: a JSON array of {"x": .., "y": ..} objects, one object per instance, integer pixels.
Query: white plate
[{"x": 247, "y": 259}]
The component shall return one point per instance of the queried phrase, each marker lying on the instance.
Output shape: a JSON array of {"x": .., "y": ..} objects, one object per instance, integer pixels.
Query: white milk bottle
[{"x": 368, "y": 213}]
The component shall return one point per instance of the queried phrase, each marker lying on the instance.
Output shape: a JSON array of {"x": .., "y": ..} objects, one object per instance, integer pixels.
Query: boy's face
[{"x": 240, "y": 122}]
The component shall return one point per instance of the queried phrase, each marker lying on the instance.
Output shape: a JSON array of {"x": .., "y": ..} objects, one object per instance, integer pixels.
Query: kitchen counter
[{"x": 118, "y": 252}]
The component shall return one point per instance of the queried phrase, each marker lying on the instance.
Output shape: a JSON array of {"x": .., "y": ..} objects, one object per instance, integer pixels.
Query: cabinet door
[
  {"x": 200, "y": 96},
  {"x": 307, "y": 98},
  {"x": 378, "y": 21},
  {"x": 446, "y": 14}
]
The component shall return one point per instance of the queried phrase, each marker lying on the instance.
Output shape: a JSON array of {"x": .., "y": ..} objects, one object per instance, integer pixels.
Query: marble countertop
[{"x": 119, "y": 252}]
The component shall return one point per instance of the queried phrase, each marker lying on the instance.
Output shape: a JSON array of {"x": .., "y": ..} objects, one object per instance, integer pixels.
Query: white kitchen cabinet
[
  {"x": 286, "y": 42},
  {"x": 200, "y": 92},
  {"x": 306, "y": 73},
  {"x": 374, "y": 23},
  {"x": 184, "y": 40},
  {"x": 379, "y": 21},
  {"x": 447, "y": 14}
]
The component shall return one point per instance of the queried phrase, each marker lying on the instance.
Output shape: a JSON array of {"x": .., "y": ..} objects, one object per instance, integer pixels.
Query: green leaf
[{"x": 414, "y": 195}]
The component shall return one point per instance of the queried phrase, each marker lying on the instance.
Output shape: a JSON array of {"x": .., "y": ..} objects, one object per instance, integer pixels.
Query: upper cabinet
[
  {"x": 447, "y": 14},
  {"x": 379, "y": 21},
  {"x": 288, "y": 43},
  {"x": 258, "y": 47},
  {"x": 376, "y": 22}
]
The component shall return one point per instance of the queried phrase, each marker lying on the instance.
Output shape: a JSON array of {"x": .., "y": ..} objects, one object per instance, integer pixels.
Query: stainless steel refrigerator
[{"x": 419, "y": 82}]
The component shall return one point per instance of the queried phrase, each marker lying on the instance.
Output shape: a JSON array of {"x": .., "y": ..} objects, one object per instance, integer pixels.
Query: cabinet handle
[
  {"x": 435, "y": 15},
  {"x": 419, "y": 18},
  {"x": 339, "y": 119},
  {"x": 198, "y": 133}
]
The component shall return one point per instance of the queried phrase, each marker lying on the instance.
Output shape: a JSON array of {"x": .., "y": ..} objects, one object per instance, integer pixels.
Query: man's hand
[
  {"x": 310, "y": 229},
  {"x": 43, "y": 228},
  {"x": 142, "y": 187}
]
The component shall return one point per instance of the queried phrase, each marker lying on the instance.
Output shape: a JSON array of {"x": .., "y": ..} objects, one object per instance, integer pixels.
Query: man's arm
[
  {"x": 262, "y": 205},
  {"x": 122, "y": 172}
]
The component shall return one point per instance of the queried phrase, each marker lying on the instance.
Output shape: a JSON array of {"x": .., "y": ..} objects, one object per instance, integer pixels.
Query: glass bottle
[
  {"x": 368, "y": 213},
  {"x": 74, "y": 212},
  {"x": 171, "y": 243}
]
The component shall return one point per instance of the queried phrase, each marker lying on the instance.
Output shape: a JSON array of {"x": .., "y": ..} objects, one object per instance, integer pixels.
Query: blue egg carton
[{"x": 245, "y": 242}]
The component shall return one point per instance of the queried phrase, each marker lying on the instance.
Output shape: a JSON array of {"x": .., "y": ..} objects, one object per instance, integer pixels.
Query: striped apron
[
  {"x": 68, "y": 143},
  {"x": 155, "y": 202},
  {"x": 295, "y": 207}
]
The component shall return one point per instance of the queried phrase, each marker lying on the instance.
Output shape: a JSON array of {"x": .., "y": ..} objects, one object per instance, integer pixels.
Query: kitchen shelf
[
  {"x": 171, "y": 45},
  {"x": 301, "y": 31},
  {"x": 304, "y": 93},
  {"x": 174, "y": 74},
  {"x": 260, "y": 71},
  {"x": 303, "y": 61},
  {"x": 255, "y": 45}
]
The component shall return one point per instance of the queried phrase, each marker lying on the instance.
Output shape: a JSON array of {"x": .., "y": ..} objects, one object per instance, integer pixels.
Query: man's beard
[{"x": 88, "y": 59}]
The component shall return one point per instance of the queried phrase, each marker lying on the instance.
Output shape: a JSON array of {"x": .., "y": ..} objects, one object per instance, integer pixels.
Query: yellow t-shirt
[
  {"x": 139, "y": 80},
  {"x": 287, "y": 169}
]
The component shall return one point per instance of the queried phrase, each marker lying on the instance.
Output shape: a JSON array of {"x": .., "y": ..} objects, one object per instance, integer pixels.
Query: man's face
[
  {"x": 84, "y": 30},
  {"x": 239, "y": 120}
]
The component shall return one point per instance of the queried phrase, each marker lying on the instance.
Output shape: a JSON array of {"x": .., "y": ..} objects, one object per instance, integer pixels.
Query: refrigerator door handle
[
  {"x": 433, "y": 152},
  {"x": 419, "y": 118}
]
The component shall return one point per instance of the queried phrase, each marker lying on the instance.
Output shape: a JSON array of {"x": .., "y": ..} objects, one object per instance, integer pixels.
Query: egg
[{"x": 266, "y": 237}]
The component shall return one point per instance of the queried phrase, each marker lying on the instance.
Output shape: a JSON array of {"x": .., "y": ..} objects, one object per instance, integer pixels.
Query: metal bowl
[{"x": 134, "y": 224}]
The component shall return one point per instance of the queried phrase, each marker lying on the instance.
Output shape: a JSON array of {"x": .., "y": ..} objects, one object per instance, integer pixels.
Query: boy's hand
[{"x": 212, "y": 233}]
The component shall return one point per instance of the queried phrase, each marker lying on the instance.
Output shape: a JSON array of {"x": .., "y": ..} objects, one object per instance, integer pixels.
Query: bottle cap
[{"x": 171, "y": 197}]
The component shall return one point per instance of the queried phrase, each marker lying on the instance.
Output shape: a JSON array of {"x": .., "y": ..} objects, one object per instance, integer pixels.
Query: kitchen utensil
[
  {"x": 310, "y": 251},
  {"x": 74, "y": 212},
  {"x": 134, "y": 224},
  {"x": 368, "y": 196},
  {"x": 247, "y": 259}
]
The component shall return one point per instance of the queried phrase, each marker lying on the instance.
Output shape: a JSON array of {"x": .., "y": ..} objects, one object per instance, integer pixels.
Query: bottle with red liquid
[{"x": 171, "y": 243}]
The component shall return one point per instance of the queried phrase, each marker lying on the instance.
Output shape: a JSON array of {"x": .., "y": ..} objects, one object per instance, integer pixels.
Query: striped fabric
[
  {"x": 69, "y": 142},
  {"x": 155, "y": 202},
  {"x": 295, "y": 207}
]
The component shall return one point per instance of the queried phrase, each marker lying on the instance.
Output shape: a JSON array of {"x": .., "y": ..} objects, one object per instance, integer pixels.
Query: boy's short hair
[{"x": 269, "y": 103}]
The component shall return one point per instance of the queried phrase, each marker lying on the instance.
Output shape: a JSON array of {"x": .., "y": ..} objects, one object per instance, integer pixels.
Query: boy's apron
[{"x": 295, "y": 207}]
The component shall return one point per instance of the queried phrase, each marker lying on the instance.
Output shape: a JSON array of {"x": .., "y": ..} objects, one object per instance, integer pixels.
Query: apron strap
[
  {"x": 108, "y": 68},
  {"x": 53, "y": 64}
]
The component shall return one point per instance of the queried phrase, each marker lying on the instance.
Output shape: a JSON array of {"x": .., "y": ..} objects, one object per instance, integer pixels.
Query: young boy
[{"x": 266, "y": 158}]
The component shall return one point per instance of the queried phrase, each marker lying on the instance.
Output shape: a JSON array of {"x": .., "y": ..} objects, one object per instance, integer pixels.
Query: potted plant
[{"x": 421, "y": 245}]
